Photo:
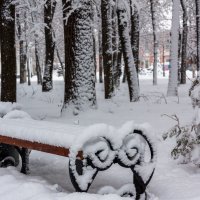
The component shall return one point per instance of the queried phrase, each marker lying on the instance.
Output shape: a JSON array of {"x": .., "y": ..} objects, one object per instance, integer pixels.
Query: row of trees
[{"x": 74, "y": 32}]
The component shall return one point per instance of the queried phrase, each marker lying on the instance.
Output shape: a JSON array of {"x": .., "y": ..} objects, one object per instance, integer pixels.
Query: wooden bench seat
[{"x": 60, "y": 151}]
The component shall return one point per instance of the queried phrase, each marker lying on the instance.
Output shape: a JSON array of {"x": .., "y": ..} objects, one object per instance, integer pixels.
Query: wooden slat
[{"x": 61, "y": 151}]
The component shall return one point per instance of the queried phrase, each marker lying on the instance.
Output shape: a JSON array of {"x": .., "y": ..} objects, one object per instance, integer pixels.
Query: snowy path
[{"x": 49, "y": 178}]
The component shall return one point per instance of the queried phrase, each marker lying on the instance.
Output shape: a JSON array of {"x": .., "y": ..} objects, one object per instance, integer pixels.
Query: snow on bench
[
  {"x": 101, "y": 146},
  {"x": 51, "y": 133}
]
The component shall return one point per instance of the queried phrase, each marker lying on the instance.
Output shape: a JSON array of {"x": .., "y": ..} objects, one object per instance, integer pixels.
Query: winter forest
[{"x": 99, "y": 99}]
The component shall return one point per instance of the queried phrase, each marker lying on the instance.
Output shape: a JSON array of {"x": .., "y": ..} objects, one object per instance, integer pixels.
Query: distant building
[{"x": 146, "y": 49}]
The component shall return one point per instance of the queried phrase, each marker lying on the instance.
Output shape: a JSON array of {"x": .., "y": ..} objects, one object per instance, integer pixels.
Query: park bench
[{"x": 90, "y": 149}]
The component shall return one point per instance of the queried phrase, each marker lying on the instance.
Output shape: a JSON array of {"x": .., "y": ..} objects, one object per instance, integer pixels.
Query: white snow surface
[
  {"x": 18, "y": 124},
  {"x": 56, "y": 134},
  {"x": 49, "y": 177}
]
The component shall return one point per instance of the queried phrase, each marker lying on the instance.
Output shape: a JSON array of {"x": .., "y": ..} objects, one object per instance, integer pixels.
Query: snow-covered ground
[{"x": 49, "y": 177}]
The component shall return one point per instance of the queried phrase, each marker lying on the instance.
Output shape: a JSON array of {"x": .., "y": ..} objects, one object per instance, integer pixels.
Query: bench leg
[
  {"x": 25, "y": 160},
  {"x": 140, "y": 186}
]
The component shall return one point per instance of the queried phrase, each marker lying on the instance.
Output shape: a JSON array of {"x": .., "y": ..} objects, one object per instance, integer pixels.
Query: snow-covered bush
[
  {"x": 6, "y": 107},
  {"x": 187, "y": 142},
  {"x": 194, "y": 92},
  {"x": 17, "y": 114},
  {"x": 187, "y": 148},
  {"x": 10, "y": 110}
]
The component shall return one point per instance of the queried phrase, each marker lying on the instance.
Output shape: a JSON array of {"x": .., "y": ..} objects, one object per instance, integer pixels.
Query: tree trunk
[
  {"x": 115, "y": 39},
  {"x": 184, "y": 43},
  {"x": 69, "y": 23},
  {"x": 135, "y": 34},
  {"x": 62, "y": 67},
  {"x": 22, "y": 51},
  {"x": 95, "y": 54},
  {"x": 100, "y": 49},
  {"x": 198, "y": 32},
  {"x": 155, "y": 41},
  {"x": 37, "y": 62},
  {"x": 163, "y": 59},
  {"x": 49, "y": 10},
  {"x": 37, "y": 57},
  {"x": 8, "y": 51},
  {"x": 130, "y": 68},
  {"x": 179, "y": 56},
  {"x": 79, "y": 57},
  {"x": 173, "y": 75},
  {"x": 106, "y": 13},
  {"x": 28, "y": 64},
  {"x": 28, "y": 71},
  {"x": 27, "y": 51},
  {"x": 119, "y": 66},
  {"x": 100, "y": 59},
  {"x": 124, "y": 75}
]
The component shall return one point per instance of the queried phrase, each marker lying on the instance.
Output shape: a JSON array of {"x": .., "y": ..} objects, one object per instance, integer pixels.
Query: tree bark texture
[
  {"x": 179, "y": 56},
  {"x": 69, "y": 23},
  {"x": 22, "y": 50},
  {"x": 37, "y": 62},
  {"x": 173, "y": 74},
  {"x": 79, "y": 57},
  {"x": 115, "y": 43},
  {"x": 119, "y": 66},
  {"x": 100, "y": 49},
  {"x": 130, "y": 68},
  {"x": 135, "y": 34},
  {"x": 27, "y": 52},
  {"x": 198, "y": 32},
  {"x": 155, "y": 41},
  {"x": 106, "y": 13},
  {"x": 8, "y": 51},
  {"x": 100, "y": 59},
  {"x": 49, "y": 10},
  {"x": 184, "y": 43}
]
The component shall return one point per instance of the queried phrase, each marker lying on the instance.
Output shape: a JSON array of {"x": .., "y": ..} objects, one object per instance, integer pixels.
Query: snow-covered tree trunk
[
  {"x": 184, "y": 43},
  {"x": 95, "y": 54},
  {"x": 119, "y": 66},
  {"x": 106, "y": 13},
  {"x": 198, "y": 32},
  {"x": 8, "y": 51},
  {"x": 49, "y": 9},
  {"x": 22, "y": 51},
  {"x": 130, "y": 68},
  {"x": 173, "y": 75},
  {"x": 135, "y": 33},
  {"x": 115, "y": 43},
  {"x": 179, "y": 56},
  {"x": 37, "y": 62},
  {"x": 27, "y": 50},
  {"x": 100, "y": 59},
  {"x": 155, "y": 40},
  {"x": 28, "y": 68},
  {"x": 68, "y": 21},
  {"x": 84, "y": 85},
  {"x": 33, "y": 6},
  {"x": 79, "y": 57},
  {"x": 100, "y": 45}
]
